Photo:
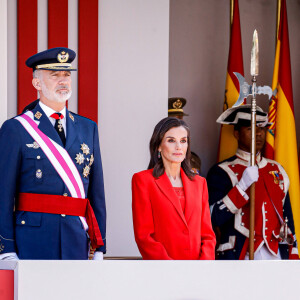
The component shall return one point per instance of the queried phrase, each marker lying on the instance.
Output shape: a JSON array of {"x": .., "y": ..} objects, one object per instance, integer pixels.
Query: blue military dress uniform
[{"x": 24, "y": 168}]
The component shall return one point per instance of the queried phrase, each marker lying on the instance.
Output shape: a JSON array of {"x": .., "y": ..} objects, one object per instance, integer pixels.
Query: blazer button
[
  {"x": 23, "y": 222},
  {"x": 63, "y": 215},
  {"x": 65, "y": 194}
]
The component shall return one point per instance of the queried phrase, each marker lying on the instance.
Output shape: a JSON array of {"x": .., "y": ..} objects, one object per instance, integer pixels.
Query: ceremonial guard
[
  {"x": 52, "y": 203},
  {"x": 228, "y": 185}
]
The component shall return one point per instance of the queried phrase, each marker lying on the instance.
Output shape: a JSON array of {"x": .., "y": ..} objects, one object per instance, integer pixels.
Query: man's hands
[
  {"x": 249, "y": 176},
  {"x": 98, "y": 255}
]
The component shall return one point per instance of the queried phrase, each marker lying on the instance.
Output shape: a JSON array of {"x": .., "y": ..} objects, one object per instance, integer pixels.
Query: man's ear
[
  {"x": 37, "y": 84},
  {"x": 236, "y": 134}
]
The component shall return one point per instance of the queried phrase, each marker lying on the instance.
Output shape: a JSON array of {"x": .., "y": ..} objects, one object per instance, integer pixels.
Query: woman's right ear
[{"x": 36, "y": 83}]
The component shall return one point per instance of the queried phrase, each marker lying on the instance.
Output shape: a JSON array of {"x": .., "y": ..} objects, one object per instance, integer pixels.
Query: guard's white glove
[
  {"x": 9, "y": 256},
  {"x": 98, "y": 255},
  {"x": 249, "y": 176}
]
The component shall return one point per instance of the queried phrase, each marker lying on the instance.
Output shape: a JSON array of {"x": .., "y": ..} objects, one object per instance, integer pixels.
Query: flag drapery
[
  {"x": 281, "y": 137},
  {"x": 87, "y": 54},
  {"x": 228, "y": 144}
]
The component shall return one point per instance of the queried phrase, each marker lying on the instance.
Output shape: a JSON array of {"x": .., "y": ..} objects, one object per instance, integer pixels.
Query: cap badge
[
  {"x": 63, "y": 57},
  {"x": 177, "y": 104}
]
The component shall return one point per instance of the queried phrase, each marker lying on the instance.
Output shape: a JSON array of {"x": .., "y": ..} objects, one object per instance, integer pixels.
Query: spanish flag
[
  {"x": 228, "y": 144},
  {"x": 281, "y": 137}
]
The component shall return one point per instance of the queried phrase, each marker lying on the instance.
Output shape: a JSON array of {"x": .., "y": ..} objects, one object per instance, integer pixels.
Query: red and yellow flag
[
  {"x": 281, "y": 138},
  {"x": 228, "y": 144}
]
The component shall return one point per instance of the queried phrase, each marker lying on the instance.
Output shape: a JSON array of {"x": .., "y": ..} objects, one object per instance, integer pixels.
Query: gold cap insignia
[
  {"x": 177, "y": 104},
  {"x": 38, "y": 115},
  {"x": 63, "y": 56}
]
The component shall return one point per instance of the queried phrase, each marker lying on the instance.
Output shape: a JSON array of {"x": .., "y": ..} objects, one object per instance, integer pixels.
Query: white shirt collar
[
  {"x": 246, "y": 155},
  {"x": 49, "y": 111}
]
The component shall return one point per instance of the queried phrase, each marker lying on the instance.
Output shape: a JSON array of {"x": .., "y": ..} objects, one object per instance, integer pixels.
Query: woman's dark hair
[{"x": 158, "y": 134}]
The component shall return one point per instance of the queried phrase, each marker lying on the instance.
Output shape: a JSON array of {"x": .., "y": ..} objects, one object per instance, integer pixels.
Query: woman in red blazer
[{"x": 171, "y": 216}]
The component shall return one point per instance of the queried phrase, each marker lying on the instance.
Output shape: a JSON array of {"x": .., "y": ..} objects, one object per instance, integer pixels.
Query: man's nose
[
  {"x": 63, "y": 80},
  {"x": 259, "y": 130}
]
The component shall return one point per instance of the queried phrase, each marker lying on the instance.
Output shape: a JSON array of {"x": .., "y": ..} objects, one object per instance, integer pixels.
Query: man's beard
[{"x": 55, "y": 96}]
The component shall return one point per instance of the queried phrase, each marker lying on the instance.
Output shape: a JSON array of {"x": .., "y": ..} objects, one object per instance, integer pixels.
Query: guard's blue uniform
[
  {"x": 230, "y": 210},
  {"x": 26, "y": 169}
]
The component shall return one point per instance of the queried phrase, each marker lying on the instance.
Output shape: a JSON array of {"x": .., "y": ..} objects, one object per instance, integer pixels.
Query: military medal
[
  {"x": 86, "y": 171},
  {"x": 91, "y": 159},
  {"x": 79, "y": 158},
  {"x": 59, "y": 125},
  {"x": 85, "y": 149},
  {"x": 275, "y": 176}
]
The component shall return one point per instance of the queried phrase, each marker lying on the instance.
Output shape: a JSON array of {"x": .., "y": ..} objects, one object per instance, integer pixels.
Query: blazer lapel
[
  {"x": 45, "y": 125},
  {"x": 71, "y": 129},
  {"x": 190, "y": 194},
  {"x": 166, "y": 187}
]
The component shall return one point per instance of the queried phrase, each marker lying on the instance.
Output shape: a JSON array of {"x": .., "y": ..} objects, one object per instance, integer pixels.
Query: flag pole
[
  {"x": 278, "y": 19},
  {"x": 231, "y": 12},
  {"x": 254, "y": 74}
]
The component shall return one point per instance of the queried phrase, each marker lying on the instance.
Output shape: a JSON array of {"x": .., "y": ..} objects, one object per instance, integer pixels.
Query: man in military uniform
[
  {"x": 228, "y": 185},
  {"x": 52, "y": 203},
  {"x": 175, "y": 110}
]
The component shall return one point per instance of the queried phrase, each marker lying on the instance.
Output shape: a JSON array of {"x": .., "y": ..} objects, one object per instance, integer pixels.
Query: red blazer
[{"x": 161, "y": 229}]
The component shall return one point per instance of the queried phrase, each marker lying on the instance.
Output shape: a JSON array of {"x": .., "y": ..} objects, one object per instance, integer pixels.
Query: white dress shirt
[{"x": 49, "y": 111}]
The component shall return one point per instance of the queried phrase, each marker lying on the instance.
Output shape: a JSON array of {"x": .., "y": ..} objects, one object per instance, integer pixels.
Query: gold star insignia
[
  {"x": 85, "y": 149},
  {"x": 38, "y": 115},
  {"x": 86, "y": 171},
  {"x": 91, "y": 159},
  {"x": 79, "y": 158}
]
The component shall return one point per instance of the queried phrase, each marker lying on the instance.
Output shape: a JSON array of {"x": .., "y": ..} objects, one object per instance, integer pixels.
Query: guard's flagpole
[{"x": 254, "y": 72}]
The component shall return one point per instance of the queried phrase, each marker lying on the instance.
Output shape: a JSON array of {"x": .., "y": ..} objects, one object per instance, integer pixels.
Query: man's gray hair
[{"x": 36, "y": 74}]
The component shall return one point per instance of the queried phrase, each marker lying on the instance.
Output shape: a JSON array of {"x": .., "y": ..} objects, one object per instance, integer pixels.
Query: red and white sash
[{"x": 57, "y": 155}]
